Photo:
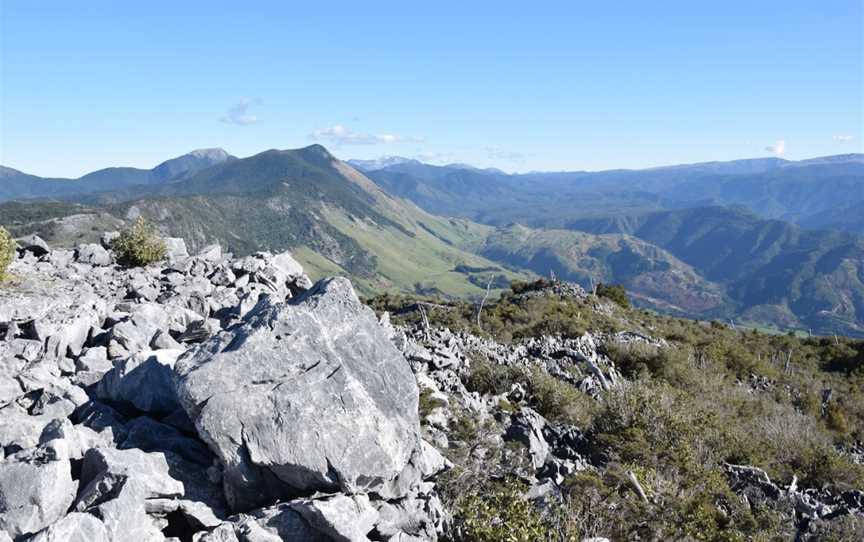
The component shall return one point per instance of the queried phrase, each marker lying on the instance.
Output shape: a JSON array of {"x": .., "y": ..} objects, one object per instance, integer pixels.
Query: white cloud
[
  {"x": 778, "y": 148},
  {"x": 435, "y": 157},
  {"x": 340, "y": 135},
  {"x": 843, "y": 138},
  {"x": 497, "y": 153},
  {"x": 239, "y": 114}
]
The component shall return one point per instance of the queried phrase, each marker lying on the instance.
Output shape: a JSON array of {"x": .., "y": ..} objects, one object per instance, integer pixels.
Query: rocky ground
[
  {"x": 213, "y": 398},
  {"x": 208, "y": 398}
]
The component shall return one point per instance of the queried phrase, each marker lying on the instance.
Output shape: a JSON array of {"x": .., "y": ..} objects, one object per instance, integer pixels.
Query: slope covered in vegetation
[{"x": 693, "y": 411}]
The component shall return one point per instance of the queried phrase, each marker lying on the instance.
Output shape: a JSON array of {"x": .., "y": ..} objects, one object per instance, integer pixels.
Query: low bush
[
  {"x": 428, "y": 402},
  {"x": 139, "y": 245},
  {"x": 492, "y": 379},
  {"x": 498, "y": 513},
  {"x": 558, "y": 401},
  {"x": 7, "y": 251},
  {"x": 615, "y": 293}
]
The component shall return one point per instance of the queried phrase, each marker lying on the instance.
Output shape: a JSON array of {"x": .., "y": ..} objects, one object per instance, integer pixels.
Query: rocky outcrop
[
  {"x": 301, "y": 397},
  {"x": 807, "y": 509},
  {"x": 151, "y": 403}
]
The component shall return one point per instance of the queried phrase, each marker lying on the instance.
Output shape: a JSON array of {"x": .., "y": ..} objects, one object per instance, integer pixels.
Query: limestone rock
[
  {"x": 36, "y": 488},
  {"x": 92, "y": 254},
  {"x": 136, "y": 333},
  {"x": 75, "y": 527},
  {"x": 143, "y": 381},
  {"x": 175, "y": 248},
  {"x": 304, "y": 396},
  {"x": 35, "y": 245},
  {"x": 342, "y": 518},
  {"x": 527, "y": 427}
]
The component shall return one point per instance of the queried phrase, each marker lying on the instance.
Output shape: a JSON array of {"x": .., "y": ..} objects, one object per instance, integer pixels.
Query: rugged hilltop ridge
[
  {"x": 213, "y": 398},
  {"x": 143, "y": 403}
]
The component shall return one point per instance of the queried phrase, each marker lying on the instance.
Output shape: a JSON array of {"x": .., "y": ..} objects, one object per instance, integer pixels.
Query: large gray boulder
[
  {"x": 137, "y": 332},
  {"x": 36, "y": 488},
  {"x": 175, "y": 248},
  {"x": 34, "y": 245},
  {"x": 526, "y": 426},
  {"x": 342, "y": 518},
  {"x": 304, "y": 396},
  {"x": 93, "y": 254},
  {"x": 273, "y": 524},
  {"x": 143, "y": 381},
  {"x": 76, "y": 527}
]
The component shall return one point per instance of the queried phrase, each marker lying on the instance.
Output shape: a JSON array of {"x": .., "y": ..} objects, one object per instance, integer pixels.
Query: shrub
[
  {"x": 558, "y": 401},
  {"x": 7, "y": 251},
  {"x": 615, "y": 293},
  {"x": 492, "y": 379},
  {"x": 836, "y": 419},
  {"x": 498, "y": 513},
  {"x": 635, "y": 359},
  {"x": 428, "y": 402},
  {"x": 521, "y": 287},
  {"x": 139, "y": 245}
]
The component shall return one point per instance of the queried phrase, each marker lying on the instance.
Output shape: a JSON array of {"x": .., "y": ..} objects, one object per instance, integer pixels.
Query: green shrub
[
  {"x": 428, "y": 402},
  {"x": 492, "y": 379},
  {"x": 7, "y": 251},
  {"x": 558, "y": 401},
  {"x": 139, "y": 245},
  {"x": 637, "y": 359},
  {"x": 615, "y": 293},
  {"x": 521, "y": 287},
  {"x": 836, "y": 419},
  {"x": 499, "y": 513}
]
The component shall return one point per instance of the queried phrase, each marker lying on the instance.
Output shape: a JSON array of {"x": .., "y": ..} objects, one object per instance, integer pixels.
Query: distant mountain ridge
[
  {"x": 799, "y": 191},
  {"x": 19, "y": 185},
  {"x": 333, "y": 218},
  {"x": 659, "y": 232}
]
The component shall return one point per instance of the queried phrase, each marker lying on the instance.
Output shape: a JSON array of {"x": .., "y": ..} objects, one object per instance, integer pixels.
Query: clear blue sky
[{"x": 517, "y": 85}]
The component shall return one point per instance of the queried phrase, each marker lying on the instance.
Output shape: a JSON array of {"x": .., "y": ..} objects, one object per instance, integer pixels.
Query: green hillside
[
  {"x": 774, "y": 270},
  {"x": 334, "y": 218},
  {"x": 652, "y": 276}
]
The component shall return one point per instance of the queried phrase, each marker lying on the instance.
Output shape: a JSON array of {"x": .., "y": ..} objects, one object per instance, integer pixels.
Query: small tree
[
  {"x": 7, "y": 251},
  {"x": 139, "y": 245},
  {"x": 615, "y": 293}
]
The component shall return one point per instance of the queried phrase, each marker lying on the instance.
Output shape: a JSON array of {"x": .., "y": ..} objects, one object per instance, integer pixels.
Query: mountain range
[
  {"x": 816, "y": 193},
  {"x": 730, "y": 240}
]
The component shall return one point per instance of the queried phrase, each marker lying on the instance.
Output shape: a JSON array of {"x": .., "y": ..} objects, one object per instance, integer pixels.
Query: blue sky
[{"x": 516, "y": 85}]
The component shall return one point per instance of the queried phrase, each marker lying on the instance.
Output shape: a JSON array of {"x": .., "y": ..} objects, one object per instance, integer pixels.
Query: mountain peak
[
  {"x": 316, "y": 149},
  {"x": 8, "y": 172},
  {"x": 216, "y": 154},
  {"x": 189, "y": 163}
]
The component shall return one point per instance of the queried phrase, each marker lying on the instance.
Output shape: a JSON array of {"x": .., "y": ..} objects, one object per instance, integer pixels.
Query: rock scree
[{"x": 203, "y": 398}]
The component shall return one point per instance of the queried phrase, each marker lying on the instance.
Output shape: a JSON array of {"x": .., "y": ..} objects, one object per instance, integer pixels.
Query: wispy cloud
[
  {"x": 778, "y": 148},
  {"x": 843, "y": 138},
  {"x": 340, "y": 135},
  {"x": 239, "y": 113},
  {"x": 435, "y": 157},
  {"x": 497, "y": 153}
]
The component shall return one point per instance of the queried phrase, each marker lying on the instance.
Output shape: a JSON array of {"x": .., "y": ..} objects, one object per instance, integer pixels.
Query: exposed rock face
[{"x": 302, "y": 397}]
